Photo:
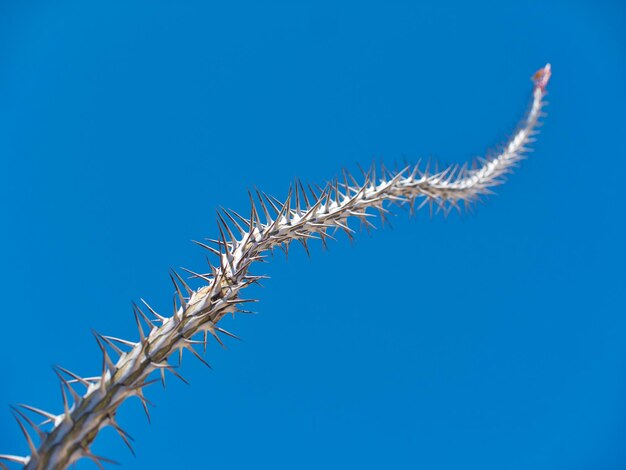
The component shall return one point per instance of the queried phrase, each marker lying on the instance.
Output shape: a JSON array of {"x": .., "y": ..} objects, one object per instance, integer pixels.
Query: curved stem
[{"x": 243, "y": 242}]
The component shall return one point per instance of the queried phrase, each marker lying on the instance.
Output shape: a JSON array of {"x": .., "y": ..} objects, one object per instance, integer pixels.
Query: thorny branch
[{"x": 242, "y": 242}]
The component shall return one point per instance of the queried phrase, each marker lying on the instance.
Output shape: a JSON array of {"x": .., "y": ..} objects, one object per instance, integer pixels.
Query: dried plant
[{"x": 66, "y": 437}]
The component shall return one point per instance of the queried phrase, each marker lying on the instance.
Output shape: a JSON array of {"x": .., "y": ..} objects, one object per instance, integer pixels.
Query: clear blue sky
[{"x": 492, "y": 341}]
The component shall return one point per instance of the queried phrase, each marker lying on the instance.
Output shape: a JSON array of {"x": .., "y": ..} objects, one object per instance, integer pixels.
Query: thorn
[
  {"x": 315, "y": 196},
  {"x": 66, "y": 407},
  {"x": 355, "y": 183},
  {"x": 175, "y": 309},
  {"x": 14, "y": 459},
  {"x": 106, "y": 360},
  {"x": 363, "y": 172},
  {"x": 227, "y": 333},
  {"x": 144, "y": 316},
  {"x": 181, "y": 297},
  {"x": 45, "y": 414},
  {"x": 338, "y": 196},
  {"x": 297, "y": 198},
  {"x": 416, "y": 170},
  {"x": 242, "y": 219},
  {"x": 264, "y": 207},
  {"x": 383, "y": 217},
  {"x": 281, "y": 213},
  {"x": 180, "y": 356},
  {"x": 194, "y": 274},
  {"x": 147, "y": 383},
  {"x": 285, "y": 248},
  {"x": 162, "y": 373},
  {"x": 74, "y": 376},
  {"x": 254, "y": 214},
  {"x": 97, "y": 459},
  {"x": 318, "y": 202},
  {"x": 110, "y": 343},
  {"x": 347, "y": 230},
  {"x": 303, "y": 242},
  {"x": 426, "y": 173},
  {"x": 227, "y": 253},
  {"x": 287, "y": 205},
  {"x": 145, "y": 408},
  {"x": 184, "y": 284},
  {"x": 220, "y": 244},
  {"x": 307, "y": 204},
  {"x": 372, "y": 172},
  {"x": 29, "y": 440},
  {"x": 326, "y": 194},
  {"x": 121, "y": 341},
  {"x": 124, "y": 435},
  {"x": 346, "y": 185},
  {"x": 177, "y": 375},
  {"x": 207, "y": 247},
  {"x": 211, "y": 329},
  {"x": 142, "y": 336},
  {"x": 252, "y": 280},
  {"x": 200, "y": 358},
  {"x": 240, "y": 301},
  {"x": 234, "y": 221},
  {"x": 153, "y": 311},
  {"x": 228, "y": 230},
  {"x": 40, "y": 434},
  {"x": 383, "y": 172},
  {"x": 271, "y": 203},
  {"x": 320, "y": 189},
  {"x": 144, "y": 401}
]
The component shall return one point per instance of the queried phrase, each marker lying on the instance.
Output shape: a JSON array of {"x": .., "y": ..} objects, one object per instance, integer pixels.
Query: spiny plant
[{"x": 66, "y": 437}]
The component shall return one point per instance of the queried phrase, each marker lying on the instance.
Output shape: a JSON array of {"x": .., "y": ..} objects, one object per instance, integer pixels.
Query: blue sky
[{"x": 493, "y": 341}]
